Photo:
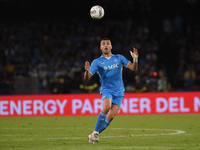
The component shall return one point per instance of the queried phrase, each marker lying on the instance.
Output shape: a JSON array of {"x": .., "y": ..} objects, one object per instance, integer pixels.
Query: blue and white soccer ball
[{"x": 97, "y": 12}]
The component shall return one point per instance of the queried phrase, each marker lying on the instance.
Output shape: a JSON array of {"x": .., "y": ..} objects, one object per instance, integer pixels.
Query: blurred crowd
[{"x": 54, "y": 51}]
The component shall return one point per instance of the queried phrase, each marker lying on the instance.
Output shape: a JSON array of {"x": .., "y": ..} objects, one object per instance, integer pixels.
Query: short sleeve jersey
[{"x": 110, "y": 72}]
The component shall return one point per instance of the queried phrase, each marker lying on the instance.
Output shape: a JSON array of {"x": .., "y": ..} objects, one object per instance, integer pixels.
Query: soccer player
[{"x": 109, "y": 68}]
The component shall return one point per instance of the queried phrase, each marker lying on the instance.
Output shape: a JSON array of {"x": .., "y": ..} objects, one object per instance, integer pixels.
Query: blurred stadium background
[{"x": 44, "y": 44}]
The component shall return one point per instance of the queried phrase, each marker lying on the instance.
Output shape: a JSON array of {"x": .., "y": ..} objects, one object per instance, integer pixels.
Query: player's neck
[{"x": 107, "y": 55}]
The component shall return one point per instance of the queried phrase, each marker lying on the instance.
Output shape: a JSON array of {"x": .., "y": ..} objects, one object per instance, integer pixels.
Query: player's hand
[
  {"x": 87, "y": 66},
  {"x": 134, "y": 54}
]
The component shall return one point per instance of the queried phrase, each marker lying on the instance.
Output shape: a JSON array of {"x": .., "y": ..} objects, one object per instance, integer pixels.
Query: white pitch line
[
  {"x": 172, "y": 132},
  {"x": 175, "y": 131},
  {"x": 140, "y": 147}
]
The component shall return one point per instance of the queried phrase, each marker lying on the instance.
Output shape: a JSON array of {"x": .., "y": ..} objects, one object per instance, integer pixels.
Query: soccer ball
[{"x": 97, "y": 12}]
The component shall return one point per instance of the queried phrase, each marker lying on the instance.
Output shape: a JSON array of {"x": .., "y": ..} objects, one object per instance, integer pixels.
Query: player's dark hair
[{"x": 105, "y": 39}]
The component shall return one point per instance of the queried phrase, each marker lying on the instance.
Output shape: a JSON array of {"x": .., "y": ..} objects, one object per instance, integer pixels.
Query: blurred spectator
[
  {"x": 139, "y": 86},
  {"x": 167, "y": 26},
  {"x": 9, "y": 68},
  {"x": 189, "y": 78},
  {"x": 60, "y": 86},
  {"x": 163, "y": 84},
  {"x": 179, "y": 76},
  {"x": 178, "y": 23},
  {"x": 198, "y": 76},
  {"x": 89, "y": 86}
]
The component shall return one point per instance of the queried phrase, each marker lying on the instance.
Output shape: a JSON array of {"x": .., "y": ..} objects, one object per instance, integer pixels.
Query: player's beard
[{"x": 106, "y": 53}]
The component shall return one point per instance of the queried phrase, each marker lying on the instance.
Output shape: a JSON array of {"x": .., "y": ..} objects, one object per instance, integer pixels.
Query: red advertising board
[{"x": 91, "y": 104}]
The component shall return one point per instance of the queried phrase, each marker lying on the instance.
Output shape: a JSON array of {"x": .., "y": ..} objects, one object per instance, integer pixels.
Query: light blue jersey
[{"x": 110, "y": 72}]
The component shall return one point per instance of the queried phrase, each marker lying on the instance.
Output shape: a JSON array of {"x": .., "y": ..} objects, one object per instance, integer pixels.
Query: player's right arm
[{"x": 87, "y": 74}]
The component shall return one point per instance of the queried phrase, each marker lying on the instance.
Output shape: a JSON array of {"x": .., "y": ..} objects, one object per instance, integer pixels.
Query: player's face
[{"x": 106, "y": 46}]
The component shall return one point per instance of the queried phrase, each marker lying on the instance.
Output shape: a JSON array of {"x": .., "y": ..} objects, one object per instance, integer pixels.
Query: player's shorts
[{"x": 116, "y": 98}]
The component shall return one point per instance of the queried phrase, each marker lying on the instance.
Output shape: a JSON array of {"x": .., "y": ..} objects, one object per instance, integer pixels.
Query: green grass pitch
[{"x": 137, "y": 132}]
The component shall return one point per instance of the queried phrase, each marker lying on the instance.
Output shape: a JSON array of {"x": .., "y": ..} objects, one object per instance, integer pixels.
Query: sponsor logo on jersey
[{"x": 109, "y": 67}]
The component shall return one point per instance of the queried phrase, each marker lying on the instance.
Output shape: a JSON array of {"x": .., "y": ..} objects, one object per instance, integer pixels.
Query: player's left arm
[{"x": 134, "y": 66}]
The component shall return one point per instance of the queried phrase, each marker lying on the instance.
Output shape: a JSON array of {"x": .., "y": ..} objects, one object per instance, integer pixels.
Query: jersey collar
[{"x": 107, "y": 57}]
